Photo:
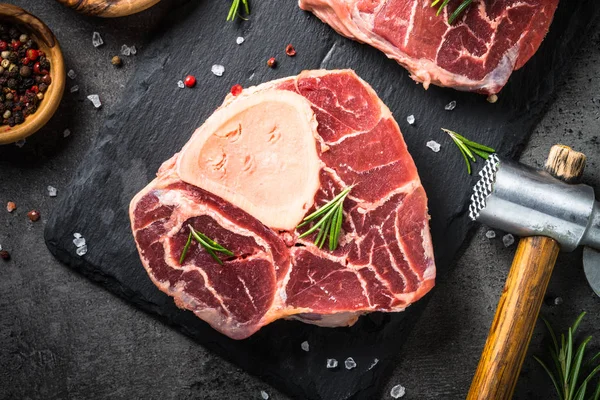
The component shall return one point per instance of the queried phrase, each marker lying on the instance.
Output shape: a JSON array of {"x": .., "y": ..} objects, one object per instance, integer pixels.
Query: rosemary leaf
[
  {"x": 185, "y": 249},
  {"x": 549, "y": 374},
  {"x": 469, "y": 148},
  {"x": 569, "y": 365},
  {"x": 235, "y": 7},
  {"x": 577, "y": 365},
  {"x": 207, "y": 243},
  {"x": 444, "y": 4},
  {"x": 327, "y": 221},
  {"x": 462, "y": 7}
]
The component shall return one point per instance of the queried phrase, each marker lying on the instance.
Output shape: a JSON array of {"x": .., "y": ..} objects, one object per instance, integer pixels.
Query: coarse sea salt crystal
[
  {"x": 508, "y": 240},
  {"x": 79, "y": 242},
  {"x": 239, "y": 40},
  {"x": 180, "y": 84},
  {"x": 20, "y": 143},
  {"x": 95, "y": 99},
  {"x": 397, "y": 391},
  {"x": 75, "y": 89},
  {"x": 133, "y": 50},
  {"x": 218, "y": 70},
  {"x": 434, "y": 146},
  {"x": 264, "y": 395},
  {"x": 410, "y": 119},
  {"x": 66, "y": 132},
  {"x": 490, "y": 234},
  {"x": 125, "y": 50},
  {"x": 450, "y": 106},
  {"x": 350, "y": 363},
  {"x": 332, "y": 363},
  {"x": 97, "y": 39},
  {"x": 71, "y": 74},
  {"x": 52, "y": 191},
  {"x": 374, "y": 363},
  {"x": 81, "y": 250},
  {"x": 77, "y": 235},
  {"x": 305, "y": 346}
]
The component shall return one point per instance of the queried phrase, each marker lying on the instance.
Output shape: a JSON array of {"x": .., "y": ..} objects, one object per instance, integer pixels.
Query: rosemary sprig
[
  {"x": 459, "y": 10},
  {"x": 209, "y": 245},
  {"x": 568, "y": 364},
  {"x": 234, "y": 11},
  {"x": 328, "y": 221},
  {"x": 468, "y": 148}
]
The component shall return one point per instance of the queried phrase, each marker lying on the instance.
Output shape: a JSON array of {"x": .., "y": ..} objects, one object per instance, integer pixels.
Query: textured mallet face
[{"x": 483, "y": 188}]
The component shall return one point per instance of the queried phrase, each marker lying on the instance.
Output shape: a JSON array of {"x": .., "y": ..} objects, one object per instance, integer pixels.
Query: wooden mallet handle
[{"x": 521, "y": 299}]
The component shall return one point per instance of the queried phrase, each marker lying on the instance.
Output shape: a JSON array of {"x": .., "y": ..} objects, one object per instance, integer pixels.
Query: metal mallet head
[{"x": 528, "y": 202}]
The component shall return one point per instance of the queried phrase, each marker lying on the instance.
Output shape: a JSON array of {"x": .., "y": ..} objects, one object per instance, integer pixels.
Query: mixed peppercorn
[{"x": 24, "y": 75}]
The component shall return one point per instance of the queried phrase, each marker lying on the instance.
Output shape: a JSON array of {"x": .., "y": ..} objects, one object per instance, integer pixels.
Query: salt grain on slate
[
  {"x": 397, "y": 391},
  {"x": 180, "y": 84},
  {"x": 508, "y": 240},
  {"x": 77, "y": 235},
  {"x": 304, "y": 345},
  {"x": 239, "y": 40},
  {"x": 558, "y": 301},
  {"x": 66, "y": 133},
  {"x": 133, "y": 50},
  {"x": 332, "y": 363},
  {"x": 20, "y": 143},
  {"x": 75, "y": 89},
  {"x": 125, "y": 50},
  {"x": 79, "y": 242},
  {"x": 97, "y": 40},
  {"x": 218, "y": 70},
  {"x": 374, "y": 363},
  {"x": 490, "y": 234},
  {"x": 350, "y": 363},
  {"x": 434, "y": 146},
  {"x": 52, "y": 191},
  {"x": 81, "y": 251},
  {"x": 71, "y": 74},
  {"x": 450, "y": 106},
  {"x": 410, "y": 119},
  {"x": 95, "y": 99},
  {"x": 264, "y": 395}
]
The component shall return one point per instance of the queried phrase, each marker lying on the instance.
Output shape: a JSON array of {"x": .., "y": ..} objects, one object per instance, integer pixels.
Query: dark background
[{"x": 63, "y": 337}]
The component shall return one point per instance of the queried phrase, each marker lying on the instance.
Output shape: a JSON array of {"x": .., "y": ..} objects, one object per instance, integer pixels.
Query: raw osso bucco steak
[
  {"x": 477, "y": 52},
  {"x": 250, "y": 174}
]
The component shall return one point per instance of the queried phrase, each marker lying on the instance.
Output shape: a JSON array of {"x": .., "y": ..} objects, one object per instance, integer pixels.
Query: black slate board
[{"x": 156, "y": 118}]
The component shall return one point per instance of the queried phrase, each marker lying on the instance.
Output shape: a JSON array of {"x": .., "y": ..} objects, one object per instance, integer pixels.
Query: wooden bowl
[
  {"x": 47, "y": 42},
  {"x": 109, "y": 8}
]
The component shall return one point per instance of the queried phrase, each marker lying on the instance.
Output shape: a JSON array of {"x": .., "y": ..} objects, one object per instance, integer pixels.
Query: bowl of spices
[{"x": 32, "y": 74}]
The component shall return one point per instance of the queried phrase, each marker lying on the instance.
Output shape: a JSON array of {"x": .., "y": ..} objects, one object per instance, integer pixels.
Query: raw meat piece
[
  {"x": 478, "y": 52},
  {"x": 385, "y": 258}
]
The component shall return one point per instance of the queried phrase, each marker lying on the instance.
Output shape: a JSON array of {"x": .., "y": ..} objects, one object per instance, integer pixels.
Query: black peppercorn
[
  {"x": 11, "y": 121},
  {"x": 13, "y": 74},
  {"x": 43, "y": 87},
  {"x": 13, "y": 57},
  {"x": 13, "y": 33},
  {"x": 25, "y": 71},
  {"x": 12, "y": 83},
  {"x": 44, "y": 64},
  {"x": 5, "y": 255},
  {"x": 19, "y": 118}
]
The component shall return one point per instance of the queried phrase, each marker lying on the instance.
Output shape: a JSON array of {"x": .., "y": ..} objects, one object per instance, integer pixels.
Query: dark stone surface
[{"x": 61, "y": 337}]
